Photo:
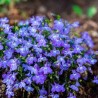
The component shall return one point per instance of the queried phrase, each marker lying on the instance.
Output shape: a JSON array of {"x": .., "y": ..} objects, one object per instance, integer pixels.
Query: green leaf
[
  {"x": 77, "y": 10},
  {"x": 91, "y": 11},
  {"x": 58, "y": 17},
  {"x": 1, "y": 53},
  {"x": 2, "y": 2},
  {"x": 7, "y": 1}
]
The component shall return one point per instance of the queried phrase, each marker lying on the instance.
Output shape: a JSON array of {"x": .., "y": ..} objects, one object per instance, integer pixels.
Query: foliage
[
  {"x": 2, "y": 2},
  {"x": 77, "y": 10},
  {"x": 91, "y": 11},
  {"x": 43, "y": 58}
]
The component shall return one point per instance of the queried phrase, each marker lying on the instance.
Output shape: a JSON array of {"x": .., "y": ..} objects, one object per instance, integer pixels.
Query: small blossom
[{"x": 57, "y": 88}]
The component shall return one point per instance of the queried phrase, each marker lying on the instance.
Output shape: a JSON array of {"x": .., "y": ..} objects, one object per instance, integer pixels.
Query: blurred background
[{"x": 85, "y": 11}]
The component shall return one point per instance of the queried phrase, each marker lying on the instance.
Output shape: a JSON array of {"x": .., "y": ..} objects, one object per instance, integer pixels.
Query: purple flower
[
  {"x": 12, "y": 63},
  {"x": 74, "y": 87},
  {"x": 54, "y": 52},
  {"x": 40, "y": 59},
  {"x": 30, "y": 60},
  {"x": 28, "y": 44},
  {"x": 39, "y": 79},
  {"x": 58, "y": 25},
  {"x": 74, "y": 75},
  {"x": 55, "y": 39},
  {"x": 78, "y": 41},
  {"x": 61, "y": 59},
  {"x": 78, "y": 49},
  {"x": 4, "y": 20},
  {"x": 29, "y": 88},
  {"x": 8, "y": 53},
  {"x": 42, "y": 42},
  {"x": 43, "y": 91},
  {"x": 95, "y": 80},
  {"x": 12, "y": 44},
  {"x": 23, "y": 32},
  {"x": 71, "y": 96},
  {"x": 23, "y": 51},
  {"x": 57, "y": 88},
  {"x": 81, "y": 69},
  {"x": 87, "y": 39},
  {"x": 1, "y": 46},
  {"x": 45, "y": 70},
  {"x": 9, "y": 93},
  {"x": 75, "y": 24},
  {"x": 22, "y": 84},
  {"x": 28, "y": 80},
  {"x": 54, "y": 95}
]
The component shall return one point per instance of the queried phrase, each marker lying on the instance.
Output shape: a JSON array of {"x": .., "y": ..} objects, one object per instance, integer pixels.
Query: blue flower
[
  {"x": 74, "y": 87},
  {"x": 81, "y": 69},
  {"x": 39, "y": 79},
  {"x": 1, "y": 46},
  {"x": 88, "y": 39},
  {"x": 58, "y": 25},
  {"x": 57, "y": 88},
  {"x": 75, "y": 75},
  {"x": 95, "y": 80},
  {"x": 12, "y": 63},
  {"x": 71, "y": 96},
  {"x": 45, "y": 70},
  {"x": 29, "y": 88}
]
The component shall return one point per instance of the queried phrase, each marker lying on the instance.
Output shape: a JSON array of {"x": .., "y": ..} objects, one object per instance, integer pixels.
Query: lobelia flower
[
  {"x": 58, "y": 25},
  {"x": 8, "y": 53},
  {"x": 29, "y": 89},
  {"x": 31, "y": 59},
  {"x": 39, "y": 79},
  {"x": 75, "y": 24},
  {"x": 23, "y": 32},
  {"x": 54, "y": 95},
  {"x": 41, "y": 42},
  {"x": 22, "y": 84},
  {"x": 87, "y": 39},
  {"x": 57, "y": 88},
  {"x": 9, "y": 93},
  {"x": 12, "y": 44},
  {"x": 27, "y": 44},
  {"x": 75, "y": 87},
  {"x": 95, "y": 80},
  {"x": 4, "y": 20},
  {"x": 28, "y": 80},
  {"x": 45, "y": 70},
  {"x": 54, "y": 52},
  {"x": 81, "y": 69},
  {"x": 1, "y": 46},
  {"x": 43, "y": 91},
  {"x": 71, "y": 96},
  {"x": 75, "y": 75},
  {"x": 78, "y": 49},
  {"x": 61, "y": 59},
  {"x": 12, "y": 63},
  {"x": 41, "y": 58},
  {"x": 23, "y": 51}
]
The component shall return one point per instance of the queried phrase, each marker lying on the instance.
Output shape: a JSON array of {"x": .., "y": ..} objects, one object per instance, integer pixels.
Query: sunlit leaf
[
  {"x": 77, "y": 10},
  {"x": 2, "y": 2},
  {"x": 91, "y": 11}
]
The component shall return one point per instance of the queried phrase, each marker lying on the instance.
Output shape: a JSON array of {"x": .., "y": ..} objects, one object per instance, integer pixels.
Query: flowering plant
[{"x": 45, "y": 58}]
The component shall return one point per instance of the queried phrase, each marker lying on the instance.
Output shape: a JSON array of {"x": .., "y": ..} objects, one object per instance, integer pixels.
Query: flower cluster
[{"x": 48, "y": 59}]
